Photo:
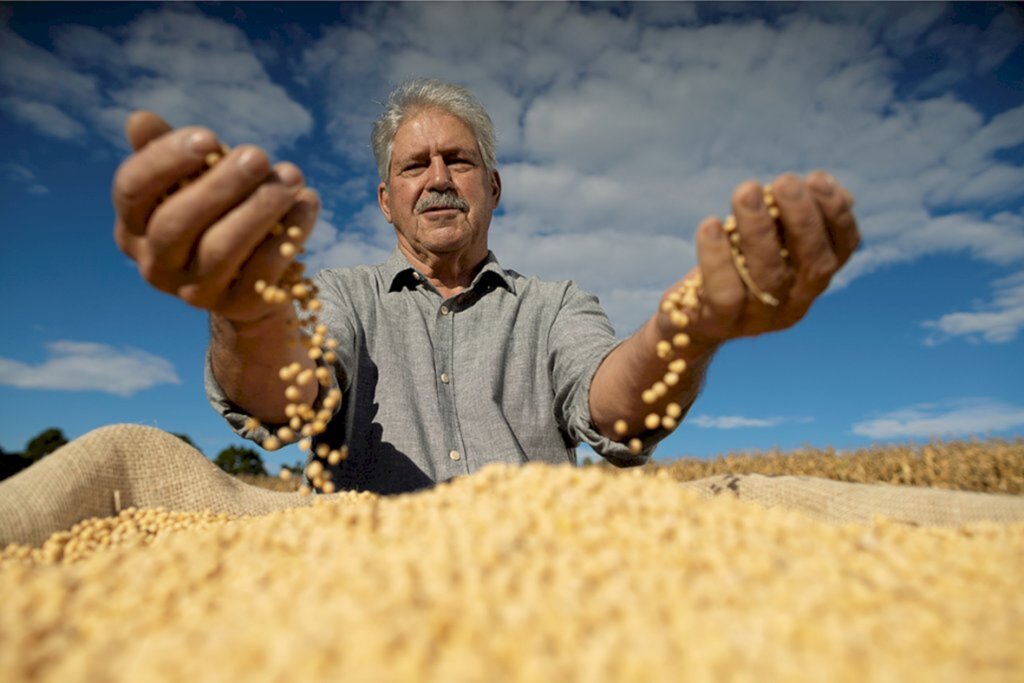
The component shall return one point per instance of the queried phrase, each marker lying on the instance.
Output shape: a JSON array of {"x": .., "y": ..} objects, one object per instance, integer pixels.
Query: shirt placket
[{"x": 444, "y": 362}]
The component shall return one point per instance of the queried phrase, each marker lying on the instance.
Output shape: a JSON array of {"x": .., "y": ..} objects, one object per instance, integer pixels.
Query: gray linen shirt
[{"x": 433, "y": 389}]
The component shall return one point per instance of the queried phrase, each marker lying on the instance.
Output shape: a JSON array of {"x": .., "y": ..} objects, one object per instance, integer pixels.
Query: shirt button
[
  {"x": 454, "y": 455},
  {"x": 444, "y": 377},
  {"x": 444, "y": 310}
]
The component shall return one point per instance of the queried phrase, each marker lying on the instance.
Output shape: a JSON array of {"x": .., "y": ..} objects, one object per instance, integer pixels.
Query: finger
[
  {"x": 759, "y": 241},
  {"x": 143, "y": 180},
  {"x": 266, "y": 262},
  {"x": 179, "y": 222},
  {"x": 724, "y": 292},
  {"x": 836, "y": 206},
  {"x": 810, "y": 249},
  {"x": 227, "y": 245},
  {"x": 142, "y": 127}
]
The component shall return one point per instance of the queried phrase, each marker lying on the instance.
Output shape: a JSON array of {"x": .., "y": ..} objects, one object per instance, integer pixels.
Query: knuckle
[
  {"x": 855, "y": 240},
  {"x": 254, "y": 160},
  {"x": 788, "y": 183},
  {"x": 121, "y": 238},
  {"x": 747, "y": 191},
  {"x": 310, "y": 200},
  {"x": 198, "y": 296},
  {"x": 778, "y": 280},
  {"x": 150, "y": 268},
  {"x": 270, "y": 196},
  {"x": 215, "y": 259},
  {"x": 289, "y": 173},
  {"x": 822, "y": 270},
  {"x": 128, "y": 188},
  {"x": 165, "y": 226},
  {"x": 728, "y": 300},
  {"x": 190, "y": 132}
]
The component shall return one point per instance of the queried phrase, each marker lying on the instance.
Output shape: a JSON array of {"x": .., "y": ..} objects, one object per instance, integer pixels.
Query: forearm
[
  {"x": 634, "y": 366},
  {"x": 247, "y": 359}
]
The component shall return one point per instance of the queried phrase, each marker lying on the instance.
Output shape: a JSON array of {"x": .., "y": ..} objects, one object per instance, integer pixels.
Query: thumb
[{"x": 142, "y": 127}]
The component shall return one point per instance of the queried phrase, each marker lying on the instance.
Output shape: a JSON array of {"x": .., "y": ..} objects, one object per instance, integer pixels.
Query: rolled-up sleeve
[
  {"x": 238, "y": 419},
  {"x": 579, "y": 340}
]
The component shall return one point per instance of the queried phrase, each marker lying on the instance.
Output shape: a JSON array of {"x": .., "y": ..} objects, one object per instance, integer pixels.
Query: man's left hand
[{"x": 815, "y": 226}]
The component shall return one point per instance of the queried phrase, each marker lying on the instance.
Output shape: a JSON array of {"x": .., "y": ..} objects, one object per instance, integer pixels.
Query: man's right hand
[{"x": 210, "y": 241}]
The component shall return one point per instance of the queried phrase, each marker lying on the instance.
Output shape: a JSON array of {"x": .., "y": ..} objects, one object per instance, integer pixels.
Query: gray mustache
[{"x": 441, "y": 200}]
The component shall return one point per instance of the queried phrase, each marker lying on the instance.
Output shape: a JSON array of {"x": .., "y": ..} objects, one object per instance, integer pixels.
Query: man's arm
[
  {"x": 794, "y": 266},
  {"x": 247, "y": 359},
  {"x": 209, "y": 240}
]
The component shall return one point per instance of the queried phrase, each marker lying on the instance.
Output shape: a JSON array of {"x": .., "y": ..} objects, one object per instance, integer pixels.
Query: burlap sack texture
[{"x": 122, "y": 466}]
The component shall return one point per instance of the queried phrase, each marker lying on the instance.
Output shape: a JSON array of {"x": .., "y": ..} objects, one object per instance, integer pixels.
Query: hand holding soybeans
[
  {"x": 220, "y": 229},
  {"x": 203, "y": 231},
  {"x": 758, "y": 271},
  {"x": 762, "y": 267}
]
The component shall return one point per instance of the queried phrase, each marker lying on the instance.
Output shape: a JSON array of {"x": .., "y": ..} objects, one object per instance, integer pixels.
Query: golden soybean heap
[
  {"x": 681, "y": 305},
  {"x": 304, "y": 422},
  {"x": 517, "y": 573}
]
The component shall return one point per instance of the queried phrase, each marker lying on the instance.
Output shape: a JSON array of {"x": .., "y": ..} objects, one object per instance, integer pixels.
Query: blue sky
[{"x": 619, "y": 128}]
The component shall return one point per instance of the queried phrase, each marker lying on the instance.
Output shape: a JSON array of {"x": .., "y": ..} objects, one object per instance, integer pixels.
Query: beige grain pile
[{"x": 531, "y": 573}]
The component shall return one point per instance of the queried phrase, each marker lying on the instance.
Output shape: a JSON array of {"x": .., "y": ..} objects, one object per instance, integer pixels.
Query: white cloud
[
  {"x": 740, "y": 422},
  {"x": 997, "y": 321},
  {"x": 965, "y": 417},
  {"x": 45, "y": 118},
  {"x": 21, "y": 174},
  {"x": 190, "y": 68},
  {"x": 619, "y": 133},
  {"x": 86, "y": 366}
]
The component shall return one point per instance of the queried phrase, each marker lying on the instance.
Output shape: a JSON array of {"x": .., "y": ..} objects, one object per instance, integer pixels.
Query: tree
[
  {"x": 12, "y": 463},
  {"x": 240, "y": 460},
  {"x": 44, "y": 443},
  {"x": 297, "y": 468}
]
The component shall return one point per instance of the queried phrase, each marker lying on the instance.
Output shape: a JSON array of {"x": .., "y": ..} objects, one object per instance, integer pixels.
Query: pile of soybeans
[{"x": 532, "y": 573}]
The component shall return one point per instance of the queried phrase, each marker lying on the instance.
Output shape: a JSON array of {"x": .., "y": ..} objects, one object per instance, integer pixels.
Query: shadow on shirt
[{"x": 373, "y": 464}]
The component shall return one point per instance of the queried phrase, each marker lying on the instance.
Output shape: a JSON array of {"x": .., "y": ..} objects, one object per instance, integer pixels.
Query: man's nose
[{"x": 440, "y": 178}]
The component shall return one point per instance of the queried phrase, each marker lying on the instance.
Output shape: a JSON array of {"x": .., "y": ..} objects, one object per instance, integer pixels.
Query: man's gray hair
[{"x": 414, "y": 96}]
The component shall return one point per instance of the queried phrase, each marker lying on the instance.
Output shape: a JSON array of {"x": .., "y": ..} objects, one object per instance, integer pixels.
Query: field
[
  {"x": 986, "y": 466},
  {"x": 535, "y": 573}
]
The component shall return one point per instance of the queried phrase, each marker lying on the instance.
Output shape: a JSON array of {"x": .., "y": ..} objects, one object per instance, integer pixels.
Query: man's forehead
[{"x": 434, "y": 126}]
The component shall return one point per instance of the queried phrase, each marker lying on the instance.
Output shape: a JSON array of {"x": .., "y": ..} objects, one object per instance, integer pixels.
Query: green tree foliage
[
  {"x": 240, "y": 460},
  {"x": 12, "y": 463},
  {"x": 44, "y": 443}
]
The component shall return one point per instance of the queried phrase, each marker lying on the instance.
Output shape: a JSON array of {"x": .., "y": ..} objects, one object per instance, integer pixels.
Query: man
[{"x": 446, "y": 360}]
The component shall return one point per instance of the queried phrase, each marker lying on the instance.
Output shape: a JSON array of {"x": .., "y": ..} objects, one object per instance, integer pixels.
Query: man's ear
[
  {"x": 382, "y": 201},
  {"x": 496, "y": 187}
]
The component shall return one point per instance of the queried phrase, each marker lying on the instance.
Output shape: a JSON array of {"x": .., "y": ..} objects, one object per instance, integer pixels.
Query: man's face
[{"x": 440, "y": 198}]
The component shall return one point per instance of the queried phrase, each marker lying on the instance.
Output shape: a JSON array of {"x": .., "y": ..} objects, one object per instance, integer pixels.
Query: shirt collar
[{"x": 399, "y": 273}]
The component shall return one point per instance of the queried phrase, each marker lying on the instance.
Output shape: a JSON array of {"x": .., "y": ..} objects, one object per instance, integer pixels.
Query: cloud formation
[
  {"x": 618, "y": 131},
  {"x": 189, "y": 67},
  {"x": 22, "y": 174},
  {"x": 997, "y": 321},
  {"x": 965, "y": 417},
  {"x": 740, "y": 422},
  {"x": 86, "y": 366}
]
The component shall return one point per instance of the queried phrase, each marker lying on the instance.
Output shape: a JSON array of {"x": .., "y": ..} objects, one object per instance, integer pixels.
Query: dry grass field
[
  {"x": 986, "y": 466},
  {"x": 535, "y": 573}
]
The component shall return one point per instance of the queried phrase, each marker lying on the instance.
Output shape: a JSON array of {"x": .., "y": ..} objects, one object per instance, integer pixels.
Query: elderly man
[{"x": 446, "y": 360}]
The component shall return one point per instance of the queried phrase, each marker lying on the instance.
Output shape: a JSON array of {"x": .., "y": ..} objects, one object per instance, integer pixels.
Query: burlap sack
[
  {"x": 841, "y": 502},
  {"x": 122, "y": 466}
]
